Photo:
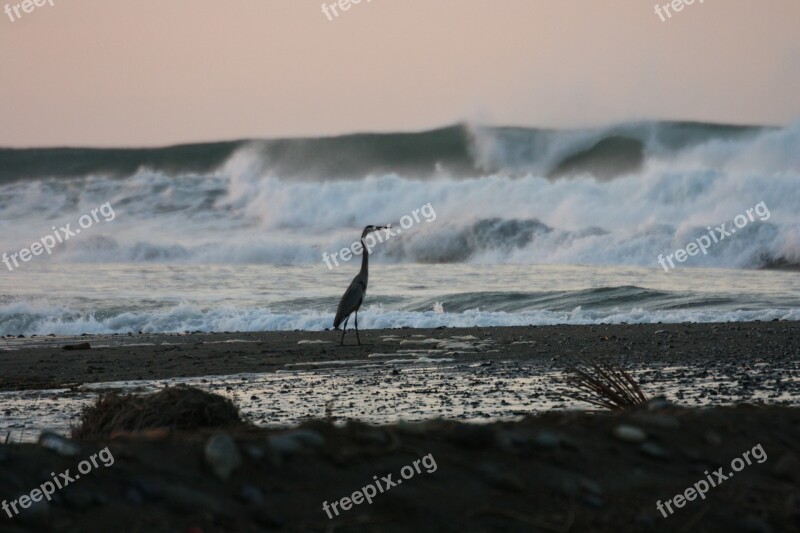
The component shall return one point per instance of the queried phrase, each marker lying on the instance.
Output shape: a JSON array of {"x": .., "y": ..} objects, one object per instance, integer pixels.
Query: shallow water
[{"x": 411, "y": 387}]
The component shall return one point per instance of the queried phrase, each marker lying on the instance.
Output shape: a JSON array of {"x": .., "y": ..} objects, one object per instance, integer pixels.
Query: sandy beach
[
  {"x": 555, "y": 472},
  {"x": 281, "y": 379},
  {"x": 512, "y": 451},
  {"x": 40, "y": 362}
]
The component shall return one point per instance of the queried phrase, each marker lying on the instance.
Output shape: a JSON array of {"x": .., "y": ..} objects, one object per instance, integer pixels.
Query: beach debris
[
  {"x": 546, "y": 440},
  {"x": 222, "y": 455},
  {"x": 316, "y": 341},
  {"x": 254, "y": 451},
  {"x": 172, "y": 408},
  {"x": 453, "y": 344},
  {"x": 651, "y": 449},
  {"x": 419, "y": 342},
  {"x": 627, "y": 433},
  {"x": 658, "y": 403},
  {"x": 605, "y": 385},
  {"x": 79, "y": 346},
  {"x": 60, "y": 445},
  {"x": 296, "y": 441}
]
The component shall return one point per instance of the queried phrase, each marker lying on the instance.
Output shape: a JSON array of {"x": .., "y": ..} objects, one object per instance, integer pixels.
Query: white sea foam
[
  {"x": 243, "y": 215},
  {"x": 188, "y": 317}
]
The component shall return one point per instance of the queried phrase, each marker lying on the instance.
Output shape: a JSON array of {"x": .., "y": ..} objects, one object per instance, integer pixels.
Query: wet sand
[
  {"x": 39, "y": 362},
  {"x": 554, "y": 471},
  {"x": 472, "y": 375}
]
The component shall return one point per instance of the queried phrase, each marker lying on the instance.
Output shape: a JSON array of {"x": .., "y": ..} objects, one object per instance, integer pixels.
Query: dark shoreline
[
  {"x": 40, "y": 362},
  {"x": 552, "y": 471}
]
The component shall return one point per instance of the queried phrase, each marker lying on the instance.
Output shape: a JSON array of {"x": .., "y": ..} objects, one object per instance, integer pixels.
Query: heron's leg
[
  {"x": 344, "y": 330},
  {"x": 357, "y": 337}
]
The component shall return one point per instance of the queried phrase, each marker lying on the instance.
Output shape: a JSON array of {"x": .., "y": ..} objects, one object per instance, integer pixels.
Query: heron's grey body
[{"x": 354, "y": 295}]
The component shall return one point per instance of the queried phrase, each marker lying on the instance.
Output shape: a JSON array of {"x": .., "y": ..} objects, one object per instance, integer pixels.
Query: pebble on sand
[
  {"x": 79, "y": 346},
  {"x": 222, "y": 455},
  {"x": 628, "y": 433},
  {"x": 293, "y": 442},
  {"x": 60, "y": 445}
]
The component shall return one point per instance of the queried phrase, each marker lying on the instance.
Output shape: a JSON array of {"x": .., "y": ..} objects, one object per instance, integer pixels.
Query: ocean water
[
  {"x": 70, "y": 299},
  {"x": 497, "y": 226}
]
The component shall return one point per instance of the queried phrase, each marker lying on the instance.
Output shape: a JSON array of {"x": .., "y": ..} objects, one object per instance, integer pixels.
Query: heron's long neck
[{"x": 364, "y": 258}]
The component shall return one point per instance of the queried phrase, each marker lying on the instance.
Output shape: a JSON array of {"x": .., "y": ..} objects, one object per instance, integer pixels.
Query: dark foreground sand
[
  {"x": 559, "y": 471},
  {"x": 555, "y": 472},
  {"x": 41, "y": 363}
]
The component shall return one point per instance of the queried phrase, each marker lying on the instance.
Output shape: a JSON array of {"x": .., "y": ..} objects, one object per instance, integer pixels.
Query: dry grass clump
[
  {"x": 173, "y": 408},
  {"x": 605, "y": 385}
]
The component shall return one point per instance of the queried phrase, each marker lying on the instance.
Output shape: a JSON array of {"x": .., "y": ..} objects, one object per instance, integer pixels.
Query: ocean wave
[
  {"x": 188, "y": 317},
  {"x": 234, "y": 210},
  {"x": 462, "y": 150}
]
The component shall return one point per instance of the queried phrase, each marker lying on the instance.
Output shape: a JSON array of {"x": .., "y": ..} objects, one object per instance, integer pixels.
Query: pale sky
[{"x": 154, "y": 72}]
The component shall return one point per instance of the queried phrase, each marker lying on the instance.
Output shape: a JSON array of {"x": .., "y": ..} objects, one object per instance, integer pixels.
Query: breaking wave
[{"x": 619, "y": 195}]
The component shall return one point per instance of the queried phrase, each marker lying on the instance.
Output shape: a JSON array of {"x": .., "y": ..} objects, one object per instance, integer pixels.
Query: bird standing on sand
[{"x": 354, "y": 295}]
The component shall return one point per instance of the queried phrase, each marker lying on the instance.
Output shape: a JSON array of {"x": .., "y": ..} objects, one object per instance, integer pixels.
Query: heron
[{"x": 354, "y": 295}]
